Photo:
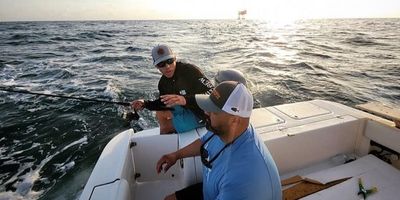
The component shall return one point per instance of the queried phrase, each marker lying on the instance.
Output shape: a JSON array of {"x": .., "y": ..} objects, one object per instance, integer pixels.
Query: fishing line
[
  {"x": 129, "y": 115},
  {"x": 8, "y": 89}
]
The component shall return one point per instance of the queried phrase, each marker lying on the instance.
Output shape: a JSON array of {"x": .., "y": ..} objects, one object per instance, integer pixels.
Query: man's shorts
[{"x": 193, "y": 192}]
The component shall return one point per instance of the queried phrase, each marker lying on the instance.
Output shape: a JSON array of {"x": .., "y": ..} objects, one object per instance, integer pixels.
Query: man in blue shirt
[{"x": 237, "y": 165}]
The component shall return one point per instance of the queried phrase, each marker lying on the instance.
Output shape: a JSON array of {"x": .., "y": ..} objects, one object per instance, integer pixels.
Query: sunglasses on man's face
[{"x": 164, "y": 63}]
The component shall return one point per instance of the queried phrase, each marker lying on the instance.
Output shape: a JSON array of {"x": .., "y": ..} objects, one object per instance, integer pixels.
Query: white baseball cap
[{"x": 229, "y": 96}]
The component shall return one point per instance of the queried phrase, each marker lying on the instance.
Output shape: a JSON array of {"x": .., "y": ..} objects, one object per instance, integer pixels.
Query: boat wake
[{"x": 23, "y": 184}]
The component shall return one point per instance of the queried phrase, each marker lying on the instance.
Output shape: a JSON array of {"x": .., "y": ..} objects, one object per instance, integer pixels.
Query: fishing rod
[
  {"x": 9, "y": 89},
  {"x": 129, "y": 116}
]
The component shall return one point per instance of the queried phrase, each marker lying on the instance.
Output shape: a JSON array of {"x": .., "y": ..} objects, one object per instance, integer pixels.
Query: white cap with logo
[{"x": 229, "y": 96}]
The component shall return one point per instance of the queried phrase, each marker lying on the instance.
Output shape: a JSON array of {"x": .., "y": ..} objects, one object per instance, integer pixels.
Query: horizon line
[{"x": 194, "y": 19}]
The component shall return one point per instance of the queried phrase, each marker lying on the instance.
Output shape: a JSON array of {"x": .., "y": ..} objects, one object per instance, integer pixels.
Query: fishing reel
[
  {"x": 130, "y": 115},
  {"x": 132, "y": 120}
]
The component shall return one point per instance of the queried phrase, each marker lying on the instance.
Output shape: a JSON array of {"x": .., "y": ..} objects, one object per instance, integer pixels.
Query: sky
[{"x": 55, "y": 10}]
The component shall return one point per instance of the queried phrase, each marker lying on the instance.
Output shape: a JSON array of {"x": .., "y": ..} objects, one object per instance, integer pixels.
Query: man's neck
[{"x": 235, "y": 131}]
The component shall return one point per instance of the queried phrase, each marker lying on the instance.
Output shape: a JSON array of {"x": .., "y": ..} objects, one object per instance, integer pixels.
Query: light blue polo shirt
[{"x": 244, "y": 170}]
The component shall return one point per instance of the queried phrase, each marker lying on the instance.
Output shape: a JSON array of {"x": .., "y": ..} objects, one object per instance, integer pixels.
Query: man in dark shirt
[{"x": 178, "y": 85}]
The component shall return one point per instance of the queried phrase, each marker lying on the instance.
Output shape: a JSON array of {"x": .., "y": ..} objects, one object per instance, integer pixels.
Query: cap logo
[
  {"x": 216, "y": 94},
  {"x": 160, "y": 51},
  {"x": 182, "y": 92},
  {"x": 234, "y": 109}
]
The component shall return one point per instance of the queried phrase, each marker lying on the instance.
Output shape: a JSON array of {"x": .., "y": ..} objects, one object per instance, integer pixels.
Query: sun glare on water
[{"x": 277, "y": 13}]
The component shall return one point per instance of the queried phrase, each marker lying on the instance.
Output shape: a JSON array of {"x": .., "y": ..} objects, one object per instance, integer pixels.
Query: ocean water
[{"x": 48, "y": 146}]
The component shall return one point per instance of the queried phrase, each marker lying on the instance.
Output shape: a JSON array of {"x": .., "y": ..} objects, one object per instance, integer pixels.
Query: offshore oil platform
[{"x": 241, "y": 14}]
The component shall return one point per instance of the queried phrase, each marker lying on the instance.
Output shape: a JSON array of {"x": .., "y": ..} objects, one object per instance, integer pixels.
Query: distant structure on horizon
[{"x": 241, "y": 14}]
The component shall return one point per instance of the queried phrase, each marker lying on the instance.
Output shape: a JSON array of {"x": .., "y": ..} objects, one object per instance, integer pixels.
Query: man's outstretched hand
[
  {"x": 137, "y": 104},
  {"x": 166, "y": 161},
  {"x": 171, "y": 100}
]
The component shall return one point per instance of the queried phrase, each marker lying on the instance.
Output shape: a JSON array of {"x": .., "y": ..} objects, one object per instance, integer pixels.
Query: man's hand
[
  {"x": 166, "y": 161},
  {"x": 137, "y": 104},
  {"x": 171, "y": 100}
]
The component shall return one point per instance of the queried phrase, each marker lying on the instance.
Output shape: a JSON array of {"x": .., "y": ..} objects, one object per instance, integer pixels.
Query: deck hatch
[{"x": 302, "y": 110}]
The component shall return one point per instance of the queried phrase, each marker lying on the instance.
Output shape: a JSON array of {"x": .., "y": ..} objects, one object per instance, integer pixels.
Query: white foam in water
[
  {"x": 8, "y": 83},
  {"x": 80, "y": 141},
  {"x": 29, "y": 86},
  {"x": 47, "y": 92},
  {"x": 112, "y": 90},
  {"x": 76, "y": 83},
  {"x": 37, "y": 108},
  {"x": 31, "y": 128},
  {"x": 35, "y": 145},
  {"x": 142, "y": 123},
  {"x": 24, "y": 187},
  {"x": 65, "y": 167},
  {"x": 15, "y": 196}
]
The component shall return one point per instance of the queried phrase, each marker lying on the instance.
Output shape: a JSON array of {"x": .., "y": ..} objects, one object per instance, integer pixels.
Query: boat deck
[
  {"x": 372, "y": 171},
  {"x": 310, "y": 139}
]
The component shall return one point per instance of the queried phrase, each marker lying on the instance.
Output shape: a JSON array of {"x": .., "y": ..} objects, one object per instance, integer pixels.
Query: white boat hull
[{"x": 302, "y": 138}]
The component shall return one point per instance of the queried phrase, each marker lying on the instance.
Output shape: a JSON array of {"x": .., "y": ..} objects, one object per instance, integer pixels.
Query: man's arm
[
  {"x": 154, "y": 105},
  {"x": 166, "y": 161},
  {"x": 198, "y": 82},
  {"x": 203, "y": 86},
  {"x": 206, "y": 86}
]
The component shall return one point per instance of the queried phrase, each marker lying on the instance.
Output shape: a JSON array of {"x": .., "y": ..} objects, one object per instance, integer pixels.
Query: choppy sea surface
[{"x": 48, "y": 146}]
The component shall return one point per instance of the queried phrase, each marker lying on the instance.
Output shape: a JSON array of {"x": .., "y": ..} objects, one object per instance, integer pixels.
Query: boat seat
[
  {"x": 312, "y": 143},
  {"x": 381, "y": 110}
]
